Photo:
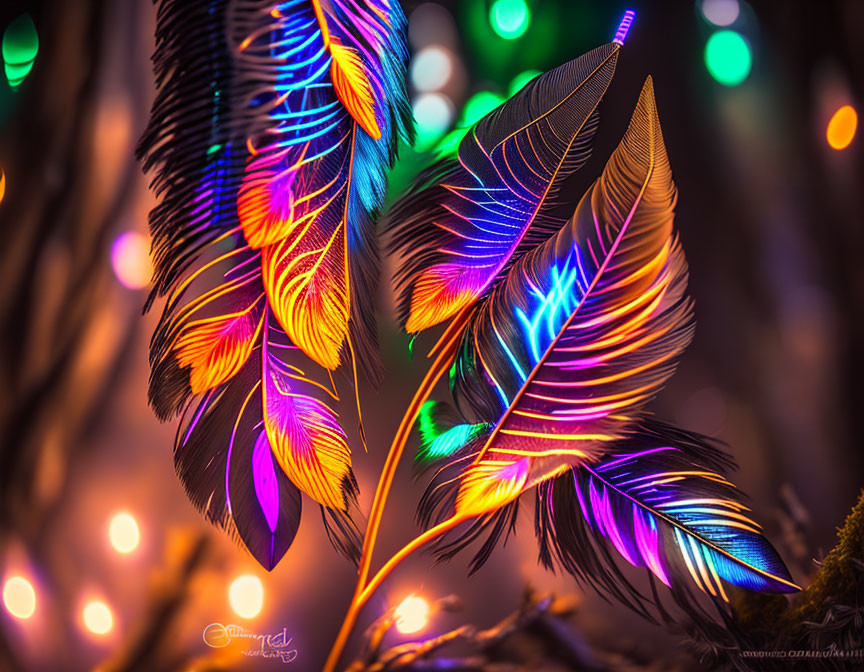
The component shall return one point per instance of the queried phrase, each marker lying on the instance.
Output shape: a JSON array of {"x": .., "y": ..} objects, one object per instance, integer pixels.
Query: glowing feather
[
  {"x": 560, "y": 360},
  {"x": 272, "y": 129},
  {"x": 353, "y": 88},
  {"x": 221, "y": 456},
  {"x": 305, "y": 434},
  {"x": 466, "y": 220},
  {"x": 662, "y": 501},
  {"x": 586, "y": 328},
  {"x": 440, "y": 437},
  {"x": 214, "y": 349}
]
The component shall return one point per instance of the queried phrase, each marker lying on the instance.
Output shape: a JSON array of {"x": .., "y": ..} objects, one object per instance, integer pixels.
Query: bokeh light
[
  {"x": 20, "y": 46},
  {"x": 412, "y": 615},
  {"x": 433, "y": 113},
  {"x": 519, "y": 81},
  {"x": 97, "y": 617},
  {"x": 431, "y": 68},
  {"x": 246, "y": 596},
  {"x": 123, "y": 533},
  {"x": 841, "y": 129},
  {"x": 19, "y": 597},
  {"x": 478, "y": 106},
  {"x": 728, "y": 57},
  {"x": 130, "y": 259},
  {"x": 721, "y": 12},
  {"x": 2, "y": 185},
  {"x": 510, "y": 18},
  {"x": 432, "y": 25}
]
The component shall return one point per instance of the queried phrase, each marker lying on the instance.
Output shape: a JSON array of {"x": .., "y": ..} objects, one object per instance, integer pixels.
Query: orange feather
[{"x": 353, "y": 87}]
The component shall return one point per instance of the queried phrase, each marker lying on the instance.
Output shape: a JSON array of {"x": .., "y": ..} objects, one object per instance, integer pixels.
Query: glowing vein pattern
[
  {"x": 332, "y": 102},
  {"x": 585, "y": 329}
]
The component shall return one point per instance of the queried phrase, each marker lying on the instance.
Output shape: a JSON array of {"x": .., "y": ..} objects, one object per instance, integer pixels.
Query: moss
[
  {"x": 839, "y": 580},
  {"x": 759, "y": 612}
]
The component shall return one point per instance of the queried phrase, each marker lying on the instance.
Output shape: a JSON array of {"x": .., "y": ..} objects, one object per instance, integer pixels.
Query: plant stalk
[
  {"x": 446, "y": 349},
  {"x": 359, "y": 602}
]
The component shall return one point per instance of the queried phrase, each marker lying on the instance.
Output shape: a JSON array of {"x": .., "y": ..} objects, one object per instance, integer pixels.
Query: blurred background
[{"x": 103, "y": 561}]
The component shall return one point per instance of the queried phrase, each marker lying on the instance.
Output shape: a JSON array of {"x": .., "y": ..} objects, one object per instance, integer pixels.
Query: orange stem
[
  {"x": 439, "y": 366},
  {"x": 446, "y": 349},
  {"x": 322, "y": 22},
  {"x": 360, "y": 600},
  {"x": 408, "y": 549}
]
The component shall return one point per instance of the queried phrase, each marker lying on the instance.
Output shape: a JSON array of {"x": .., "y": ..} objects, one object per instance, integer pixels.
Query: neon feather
[
  {"x": 661, "y": 499},
  {"x": 305, "y": 435},
  {"x": 221, "y": 457},
  {"x": 204, "y": 342},
  {"x": 216, "y": 348},
  {"x": 272, "y": 130},
  {"x": 586, "y": 328},
  {"x": 353, "y": 89},
  {"x": 306, "y": 280},
  {"x": 560, "y": 360},
  {"x": 465, "y": 221}
]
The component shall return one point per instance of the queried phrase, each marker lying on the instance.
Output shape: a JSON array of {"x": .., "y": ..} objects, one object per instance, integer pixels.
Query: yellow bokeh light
[
  {"x": 246, "y": 596},
  {"x": 19, "y": 597},
  {"x": 123, "y": 532},
  {"x": 98, "y": 618},
  {"x": 412, "y": 615},
  {"x": 842, "y": 127}
]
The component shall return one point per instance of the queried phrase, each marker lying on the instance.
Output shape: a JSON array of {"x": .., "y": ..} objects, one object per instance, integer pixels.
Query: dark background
[{"x": 770, "y": 218}]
